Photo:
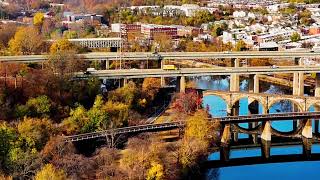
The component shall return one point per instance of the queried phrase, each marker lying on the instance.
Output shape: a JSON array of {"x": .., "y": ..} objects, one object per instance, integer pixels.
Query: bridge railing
[{"x": 125, "y": 130}]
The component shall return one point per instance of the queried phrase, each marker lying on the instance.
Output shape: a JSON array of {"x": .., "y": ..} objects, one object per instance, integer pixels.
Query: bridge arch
[
  {"x": 225, "y": 97},
  {"x": 313, "y": 105},
  {"x": 293, "y": 102},
  {"x": 260, "y": 100}
]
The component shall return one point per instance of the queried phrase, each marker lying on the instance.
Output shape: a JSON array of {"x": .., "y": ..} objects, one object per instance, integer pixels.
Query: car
[
  {"x": 91, "y": 70},
  {"x": 274, "y": 67}
]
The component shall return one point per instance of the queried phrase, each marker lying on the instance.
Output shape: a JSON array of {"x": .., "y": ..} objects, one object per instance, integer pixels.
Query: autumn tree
[
  {"x": 8, "y": 137},
  {"x": 62, "y": 45},
  {"x": 196, "y": 140},
  {"x": 295, "y": 37},
  {"x": 240, "y": 46},
  {"x": 64, "y": 62},
  {"x": 7, "y": 32},
  {"x": 38, "y": 19},
  {"x": 27, "y": 40},
  {"x": 187, "y": 102},
  {"x": 151, "y": 87},
  {"x": 35, "y": 132},
  {"x": 49, "y": 172}
]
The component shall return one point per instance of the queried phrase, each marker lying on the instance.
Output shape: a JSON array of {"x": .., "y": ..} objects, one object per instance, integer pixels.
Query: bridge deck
[{"x": 179, "y": 124}]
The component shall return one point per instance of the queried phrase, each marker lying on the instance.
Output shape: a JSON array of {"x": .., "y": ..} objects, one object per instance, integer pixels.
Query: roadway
[
  {"x": 169, "y": 56},
  {"x": 144, "y": 73}
]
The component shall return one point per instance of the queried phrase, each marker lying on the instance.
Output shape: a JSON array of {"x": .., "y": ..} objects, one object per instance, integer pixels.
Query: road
[
  {"x": 168, "y": 56},
  {"x": 143, "y": 73}
]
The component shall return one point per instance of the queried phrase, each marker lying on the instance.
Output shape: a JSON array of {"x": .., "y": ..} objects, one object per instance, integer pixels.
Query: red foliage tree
[{"x": 187, "y": 102}]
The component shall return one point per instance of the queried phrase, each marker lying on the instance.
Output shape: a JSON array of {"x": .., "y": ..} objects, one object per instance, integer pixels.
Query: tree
[
  {"x": 7, "y": 32},
  {"x": 295, "y": 37},
  {"x": 35, "y": 132},
  {"x": 38, "y": 19},
  {"x": 198, "y": 126},
  {"x": 64, "y": 62},
  {"x": 240, "y": 46},
  {"x": 156, "y": 172},
  {"x": 98, "y": 117},
  {"x": 8, "y": 137},
  {"x": 187, "y": 102},
  {"x": 61, "y": 45},
  {"x": 49, "y": 172},
  {"x": 151, "y": 87},
  {"x": 39, "y": 106},
  {"x": 27, "y": 40}
]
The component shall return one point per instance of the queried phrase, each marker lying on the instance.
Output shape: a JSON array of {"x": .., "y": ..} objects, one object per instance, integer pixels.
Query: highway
[
  {"x": 169, "y": 56},
  {"x": 143, "y": 73}
]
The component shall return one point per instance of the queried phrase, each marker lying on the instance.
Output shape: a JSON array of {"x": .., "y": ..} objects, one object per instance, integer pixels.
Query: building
[
  {"x": 185, "y": 31},
  {"x": 275, "y": 36},
  {"x": 152, "y": 30},
  {"x": 73, "y": 18},
  {"x": 269, "y": 46},
  {"x": 125, "y": 28},
  {"x": 314, "y": 30}
]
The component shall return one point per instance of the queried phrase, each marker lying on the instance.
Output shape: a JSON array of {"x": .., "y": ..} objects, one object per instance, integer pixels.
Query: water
[{"x": 292, "y": 171}]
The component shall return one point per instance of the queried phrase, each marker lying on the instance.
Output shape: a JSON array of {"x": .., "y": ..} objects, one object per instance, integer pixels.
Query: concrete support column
[
  {"x": 307, "y": 129},
  {"x": 234, "y": 78},
  {"x": 253, "y": 105},
  {"x": 225, "y": 143},
  {"x": 307, "y": 145},
  {"x": 266, "y": 139},
  {"x": 107, "y": 64},
  {"x": 317, "y": 86},
  {"x": 235, "y": 112},
  {"x": 181, "y": 84},
  {"x": 295, "y": 84},
  {"x": 125, "y": 82},
  {"x": 163, "y": 81},
  {"x": 316, "y": 107},
  {"x": 301, "y": 84},
  {"x": 298, "y": 80}
]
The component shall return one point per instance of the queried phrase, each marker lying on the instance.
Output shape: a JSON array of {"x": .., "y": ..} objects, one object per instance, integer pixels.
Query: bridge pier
[
  {"x": 298, "y": 79},
  {"x": 123, "y": 82},
  {"x": 107, "y": 64},
  {"x": 253, "y": 105},
  {"x": 307, "y": 129},
  {"x": 234, "y": 78},
  {"x": 266, "y": 139},
  {"x": 181, "y": 84},
  {"x": 225, "y": 143},
  {"x": 317, "y": 107},
  {"x": 163, "y": 81},
  {"x": 298, "y": 87},
  {"x": 307, "y": 147}
]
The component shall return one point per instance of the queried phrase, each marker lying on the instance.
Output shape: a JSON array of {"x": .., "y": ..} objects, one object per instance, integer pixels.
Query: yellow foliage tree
[
  {"x": 61, "y": 45},
  {"x": 49, "y": 172},
  {"x": 151, "y": 87},
  {"x": 27, "y": 40},
  {"x": 155, "y": 172},
  {"x": 36, "y": 132},
  {"x": 198, "y": 126},
  {"x": 38, "y": 19}
]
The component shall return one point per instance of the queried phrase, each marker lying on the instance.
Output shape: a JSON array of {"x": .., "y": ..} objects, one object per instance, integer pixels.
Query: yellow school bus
[{"x": 169, "y": 67}]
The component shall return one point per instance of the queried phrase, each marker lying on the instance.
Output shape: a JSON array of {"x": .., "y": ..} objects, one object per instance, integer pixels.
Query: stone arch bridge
[{"x": 303, "y": 103}]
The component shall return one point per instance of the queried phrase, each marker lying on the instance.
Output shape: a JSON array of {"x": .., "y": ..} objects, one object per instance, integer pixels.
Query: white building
[{"x": 239, "y": 14}]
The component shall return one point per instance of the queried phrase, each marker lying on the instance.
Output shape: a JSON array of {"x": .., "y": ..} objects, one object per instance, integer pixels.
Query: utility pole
[{"x": 120, "y": 35}]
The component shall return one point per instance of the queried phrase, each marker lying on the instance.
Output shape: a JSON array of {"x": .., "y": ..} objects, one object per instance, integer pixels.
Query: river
[{"x": 292, "y": 171}]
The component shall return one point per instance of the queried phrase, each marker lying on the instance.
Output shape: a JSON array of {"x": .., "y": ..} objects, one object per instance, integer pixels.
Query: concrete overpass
[
  {"x": 169, "y": 56},
  {"x": 187, "y": 72}
]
